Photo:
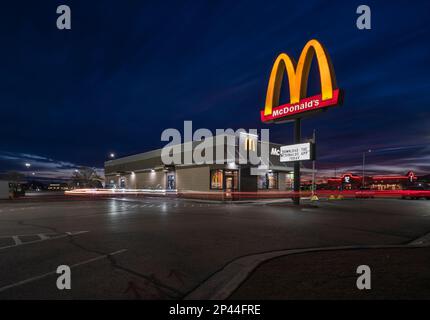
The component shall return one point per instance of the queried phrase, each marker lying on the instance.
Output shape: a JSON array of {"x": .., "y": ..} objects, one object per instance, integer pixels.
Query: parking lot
[{"x": 158, "y": 248}]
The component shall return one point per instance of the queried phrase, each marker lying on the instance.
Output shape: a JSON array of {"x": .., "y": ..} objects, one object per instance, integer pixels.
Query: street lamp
[
  {"x": 364, "y": 161},
  {"x": 27, "y": 165},
  {"x": 112, "y": 155}
]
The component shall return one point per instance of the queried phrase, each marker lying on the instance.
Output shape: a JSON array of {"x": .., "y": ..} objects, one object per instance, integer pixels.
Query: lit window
[
  {"x": 268, "y": 181},
  {"x": 216, "y": 179}
]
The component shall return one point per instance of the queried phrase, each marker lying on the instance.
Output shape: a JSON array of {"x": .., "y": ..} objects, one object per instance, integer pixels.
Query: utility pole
[
  {"x": 313, "y": 166},
  {"x": 364, "y": 161},
  {"x": 297, "y": 138}
]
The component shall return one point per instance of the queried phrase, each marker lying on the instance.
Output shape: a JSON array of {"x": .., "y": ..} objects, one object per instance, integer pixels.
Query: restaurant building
[{"x": 147, "y": 171}]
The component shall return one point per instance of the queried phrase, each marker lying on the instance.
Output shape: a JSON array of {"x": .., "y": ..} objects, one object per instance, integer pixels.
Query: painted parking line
[
  {"x": 42, "y": 237},
  {"x": 16, "y": 209},
  {"x": 422, "y": 241},
  {"x": 20, "y": 283},
  {"x": 144, "y": 204},
  {"x": 17, "y": 240}
]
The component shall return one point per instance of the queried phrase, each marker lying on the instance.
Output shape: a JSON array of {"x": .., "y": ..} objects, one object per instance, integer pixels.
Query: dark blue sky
[{"x": 129, "y": 69}]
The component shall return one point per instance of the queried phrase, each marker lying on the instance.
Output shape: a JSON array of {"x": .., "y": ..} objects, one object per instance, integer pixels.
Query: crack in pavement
[{"x": 159, "y": 285}]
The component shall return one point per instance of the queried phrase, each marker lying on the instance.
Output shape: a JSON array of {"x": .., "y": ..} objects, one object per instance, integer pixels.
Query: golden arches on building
[{"x": 250, "y": 144}]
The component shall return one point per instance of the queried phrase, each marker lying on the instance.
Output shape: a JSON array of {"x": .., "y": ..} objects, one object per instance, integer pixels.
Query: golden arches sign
[{"x": 298, "y": 79}]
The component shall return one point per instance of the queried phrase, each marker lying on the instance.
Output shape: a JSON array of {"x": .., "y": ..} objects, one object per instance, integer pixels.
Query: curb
[{"x": 224, "y": 282}]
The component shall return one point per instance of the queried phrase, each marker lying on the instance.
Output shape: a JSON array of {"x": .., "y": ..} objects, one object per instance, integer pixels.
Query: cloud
[
  {"x": 42, "y": 167},
  {"x": 395, "y": 160}
]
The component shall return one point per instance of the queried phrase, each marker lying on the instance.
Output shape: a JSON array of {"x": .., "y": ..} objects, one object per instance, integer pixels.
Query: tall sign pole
[
  {"x": 297, "y": 138},
  {"x": 313, "y": 166},
  {"x": 300, "y": 104}
]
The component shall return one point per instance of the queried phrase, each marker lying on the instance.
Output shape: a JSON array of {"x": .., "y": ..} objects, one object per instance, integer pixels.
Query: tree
[
  {"x": 86, "y": 177},
  {"x": 14, "y": 176}
]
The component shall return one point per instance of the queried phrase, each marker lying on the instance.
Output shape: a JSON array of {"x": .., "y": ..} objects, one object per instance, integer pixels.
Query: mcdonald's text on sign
[{"x": 298, "y": 74}]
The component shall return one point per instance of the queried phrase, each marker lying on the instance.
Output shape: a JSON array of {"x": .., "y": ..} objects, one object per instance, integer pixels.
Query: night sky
[{"x": 130, "y": 69}]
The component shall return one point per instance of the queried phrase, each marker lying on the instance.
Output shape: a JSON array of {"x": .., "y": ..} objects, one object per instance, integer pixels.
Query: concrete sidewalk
[
  {"x": 395, "y": 274},
  {"x": 250, "y": 201}
]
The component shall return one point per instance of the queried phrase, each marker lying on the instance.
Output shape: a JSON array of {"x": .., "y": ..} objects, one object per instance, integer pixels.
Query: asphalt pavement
[
  {"x": 158, "y": 248},
  {"x": 395, "y": 273}
]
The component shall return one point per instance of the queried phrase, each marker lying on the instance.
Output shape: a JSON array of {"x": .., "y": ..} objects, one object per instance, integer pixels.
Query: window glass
[
  {"x": 262, "y": 182},
  {"x": 216, "y": 179},
  {"x": 268, "y": 181},
  {"x": 272, "y": 180}
]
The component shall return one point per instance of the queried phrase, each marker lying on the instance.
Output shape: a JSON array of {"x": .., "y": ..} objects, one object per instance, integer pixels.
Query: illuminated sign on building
[
  {"x": 300, "y": 105},
  {"x": 250, "y": 144},
  {"x": 347, "y": 178},
  {"x": 275, "y": 152},
  {"x": 296, "y": 152}
]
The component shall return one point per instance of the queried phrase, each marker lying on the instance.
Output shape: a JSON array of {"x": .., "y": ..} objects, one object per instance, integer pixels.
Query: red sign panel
[{"x": 302, "y": 107}]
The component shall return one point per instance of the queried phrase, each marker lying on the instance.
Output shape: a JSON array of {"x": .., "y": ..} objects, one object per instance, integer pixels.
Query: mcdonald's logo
[
  {"x": 250, "y": 144},
  {"x": 300, "y": 105}
]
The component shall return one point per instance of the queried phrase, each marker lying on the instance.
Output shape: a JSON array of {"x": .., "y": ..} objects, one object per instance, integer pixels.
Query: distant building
[
  {"x": 58, "y": 186},
  {"x": 350, "y": 181}
]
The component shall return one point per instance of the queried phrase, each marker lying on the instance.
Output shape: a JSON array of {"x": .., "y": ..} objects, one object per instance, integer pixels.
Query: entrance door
[
  {"x": 171, "y": 185},
  {"x": 229, "y": 183},
  {"x": 230, "y": 180},
  {"x": 122, "y": 183}
]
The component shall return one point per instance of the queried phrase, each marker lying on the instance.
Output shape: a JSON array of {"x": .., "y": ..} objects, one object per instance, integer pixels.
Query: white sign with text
[{"x": 295, "y": 152}]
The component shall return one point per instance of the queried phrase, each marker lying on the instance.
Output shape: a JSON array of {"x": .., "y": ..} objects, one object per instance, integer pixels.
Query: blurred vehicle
[
  {"x": 364, "y": 193},
  {"x": 418, "y": 191}
]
